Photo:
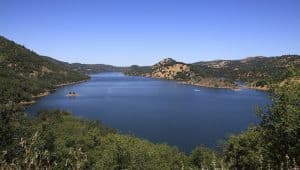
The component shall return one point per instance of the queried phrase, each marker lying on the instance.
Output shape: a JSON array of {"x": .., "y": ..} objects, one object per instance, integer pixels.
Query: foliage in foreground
[
  {"x": 59, "y": 140},
  {"x": 275, "y": 143}
]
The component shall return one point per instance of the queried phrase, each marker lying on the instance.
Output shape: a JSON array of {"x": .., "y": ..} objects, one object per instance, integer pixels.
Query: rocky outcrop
[
  {"x": 72, "y": 94},
  {"x": 165, "y": 62},
  {"x": 171, "y": 70},
  {"x": 42, "y": 71},
  {"x": 45, "y": 69}
]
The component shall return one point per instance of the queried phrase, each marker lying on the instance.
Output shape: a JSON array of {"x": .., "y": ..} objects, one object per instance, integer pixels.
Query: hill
[
  {"x": 256, "y": 72},
  {"x": 95, "y": 68},
  {"x": 28, "y": 74}
]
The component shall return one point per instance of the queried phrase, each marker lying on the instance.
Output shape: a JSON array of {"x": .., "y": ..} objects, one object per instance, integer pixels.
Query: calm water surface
[{"x": 160, "y": 111}]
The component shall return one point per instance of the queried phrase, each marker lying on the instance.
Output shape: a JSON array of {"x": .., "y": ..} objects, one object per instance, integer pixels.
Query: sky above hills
[{"x": 126, "y": 32}]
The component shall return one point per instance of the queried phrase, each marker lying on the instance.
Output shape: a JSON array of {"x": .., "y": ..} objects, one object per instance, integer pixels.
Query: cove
[{"x": 161, "y": 111}]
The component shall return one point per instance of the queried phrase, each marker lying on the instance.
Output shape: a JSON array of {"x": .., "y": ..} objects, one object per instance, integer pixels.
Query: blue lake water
[{"x": 160, "y": 111}]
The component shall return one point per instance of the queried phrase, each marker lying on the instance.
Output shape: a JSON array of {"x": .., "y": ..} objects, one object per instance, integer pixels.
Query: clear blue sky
[{"x": 125, "y": 32}]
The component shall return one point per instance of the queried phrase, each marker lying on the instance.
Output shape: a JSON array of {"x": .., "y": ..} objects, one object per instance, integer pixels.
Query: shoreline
[
  {"x": 47, "y": 92},
  {"x": 258, "y": 88},
  {"x": 70, "y": 83},
  {"x": 237, "y": 88},
  {"x": 189, "y": 83},
  {"x": 208, "y": 86}
]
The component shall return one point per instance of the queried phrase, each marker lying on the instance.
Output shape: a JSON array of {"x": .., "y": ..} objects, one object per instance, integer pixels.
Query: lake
[{"x": 160, "y": 111}]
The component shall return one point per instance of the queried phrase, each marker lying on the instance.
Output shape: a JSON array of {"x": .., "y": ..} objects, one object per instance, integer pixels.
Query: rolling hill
[{"x": 256, "y": 72}]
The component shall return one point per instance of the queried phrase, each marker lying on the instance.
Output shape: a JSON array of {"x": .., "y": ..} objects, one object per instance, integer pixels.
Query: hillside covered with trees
[
  {"x": 256, "y": 72},
  {"x": 24, "y": 74}
]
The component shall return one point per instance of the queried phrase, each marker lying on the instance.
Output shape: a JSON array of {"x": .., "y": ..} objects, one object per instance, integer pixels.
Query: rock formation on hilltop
[{"x": 171, "y": 70}]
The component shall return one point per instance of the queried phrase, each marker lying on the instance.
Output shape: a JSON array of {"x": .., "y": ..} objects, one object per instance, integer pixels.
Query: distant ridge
[{"x": 96, "y": 68}]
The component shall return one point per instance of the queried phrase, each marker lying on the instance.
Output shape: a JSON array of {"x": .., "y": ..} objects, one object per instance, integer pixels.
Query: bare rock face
[
  {"x": 171, "y": 70},
  {"x": 218, "y": 64},
  {"x": 45, "y": 70},
  {"x": 165, "y": 62},
  {"x": 42, "y": 71},
  {"x": 34, "y": 73}
]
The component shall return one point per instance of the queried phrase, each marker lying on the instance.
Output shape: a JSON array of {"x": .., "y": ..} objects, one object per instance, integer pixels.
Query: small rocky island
[{"x": 72, "y": 94}]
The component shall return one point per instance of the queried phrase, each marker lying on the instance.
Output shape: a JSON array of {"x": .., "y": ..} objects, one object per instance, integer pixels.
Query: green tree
[
  {"x": 204, "y": 158},
  {"x": 281, "y": 125},
  {"x": 14, "y": 125},
  {"x": 275, "y": 143},
  {"x": 244, "y": 151},
  {"x": 127, "y": 152}
]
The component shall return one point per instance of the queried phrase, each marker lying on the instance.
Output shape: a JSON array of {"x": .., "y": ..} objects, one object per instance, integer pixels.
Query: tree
[
  {"x": 14, "y": 125},
  {"x": 126, "y": 152},
  {"x": 281, "y": 125},
  {"x": 275, "y": 142},
  {"x": 244, "y": 151},
  {"x": 204, "y": 158}
]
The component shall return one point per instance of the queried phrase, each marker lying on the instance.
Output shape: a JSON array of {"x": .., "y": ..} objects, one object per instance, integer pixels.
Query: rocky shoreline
[
  {"x": 70, "y": 83},
  {"x": 198, "y": 84},
  {"x": 233, "y": 87},
  {"x": 209, "y": 86}
]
